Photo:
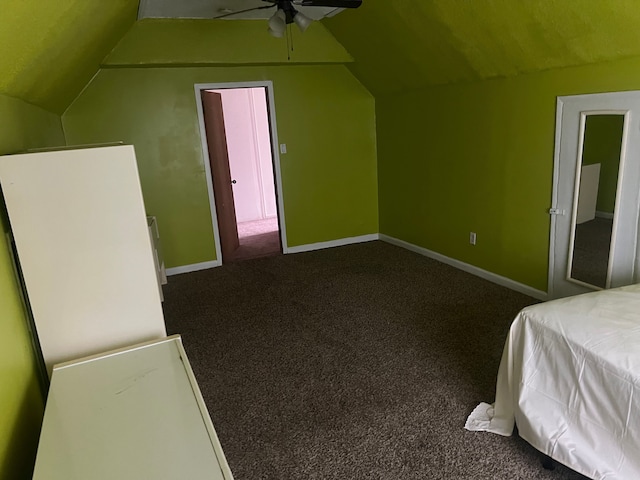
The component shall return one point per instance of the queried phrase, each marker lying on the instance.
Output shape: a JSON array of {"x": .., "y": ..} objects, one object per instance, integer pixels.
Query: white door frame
[
  {"x": 275, "y": 155},
  {"x": 613, "y": 102}
]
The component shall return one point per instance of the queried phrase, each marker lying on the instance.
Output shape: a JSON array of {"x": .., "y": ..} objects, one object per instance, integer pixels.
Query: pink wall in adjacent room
[{"x": 248, "y": 142}]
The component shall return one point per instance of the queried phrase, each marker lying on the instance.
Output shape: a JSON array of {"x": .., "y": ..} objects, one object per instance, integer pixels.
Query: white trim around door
[
  {"x": 623, "y": 252},
  {"x": 275, "y": 152}
]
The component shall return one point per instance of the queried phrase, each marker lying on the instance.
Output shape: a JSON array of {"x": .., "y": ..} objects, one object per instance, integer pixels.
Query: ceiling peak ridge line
[{"x": 277, "y": 63}]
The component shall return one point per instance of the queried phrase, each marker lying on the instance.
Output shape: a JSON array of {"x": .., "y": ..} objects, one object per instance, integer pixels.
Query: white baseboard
[
  {"x": 194, "y": 267},
  {"x": 479, "y": 272},
  {"x": 607, "y": 215},
  {"x": 333, "y": 243},
  {"x": 300, "y": 248}
]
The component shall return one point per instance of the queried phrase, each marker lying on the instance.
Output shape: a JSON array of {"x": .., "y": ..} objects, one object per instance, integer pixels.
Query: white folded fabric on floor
[{"x": 480, "y": 418}]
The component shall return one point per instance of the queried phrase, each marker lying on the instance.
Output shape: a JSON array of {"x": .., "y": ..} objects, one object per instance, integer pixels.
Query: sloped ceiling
[
  {"x": 408, "y": 44},
  {"x": 49, "y": 50}
]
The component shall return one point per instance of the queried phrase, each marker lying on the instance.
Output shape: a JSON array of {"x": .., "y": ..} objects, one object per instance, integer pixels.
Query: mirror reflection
[{"x": 596, "y": 198}]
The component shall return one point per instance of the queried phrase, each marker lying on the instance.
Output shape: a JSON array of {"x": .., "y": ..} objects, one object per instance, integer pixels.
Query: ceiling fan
[{"x": 287, "y": 14}]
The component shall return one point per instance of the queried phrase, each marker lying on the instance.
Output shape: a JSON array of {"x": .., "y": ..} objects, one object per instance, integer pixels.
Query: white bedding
[{"x": 570, "y": 379}]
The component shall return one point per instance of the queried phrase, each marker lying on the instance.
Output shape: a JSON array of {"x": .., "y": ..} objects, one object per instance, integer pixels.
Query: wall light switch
[
  {"x": 283, "y": 148},
  {"x": 472, "y": 238}
]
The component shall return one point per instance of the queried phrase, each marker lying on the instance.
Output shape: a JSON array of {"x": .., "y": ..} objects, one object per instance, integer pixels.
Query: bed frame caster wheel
[{"x": 548, "y": 463}]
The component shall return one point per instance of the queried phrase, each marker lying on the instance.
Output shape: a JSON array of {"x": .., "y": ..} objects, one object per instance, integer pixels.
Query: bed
[{"x": 569, "y": 379}]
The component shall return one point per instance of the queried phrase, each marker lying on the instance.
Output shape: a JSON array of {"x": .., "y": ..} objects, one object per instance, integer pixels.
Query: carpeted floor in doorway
[
  {"x": 357, "y": 362},
  {"x": 259, "y": 238}
]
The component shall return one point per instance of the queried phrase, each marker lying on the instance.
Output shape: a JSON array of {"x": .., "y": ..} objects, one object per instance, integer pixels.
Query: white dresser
[
  {"x": 134, "y": 413},
  {"x": 79, "y": 224}
]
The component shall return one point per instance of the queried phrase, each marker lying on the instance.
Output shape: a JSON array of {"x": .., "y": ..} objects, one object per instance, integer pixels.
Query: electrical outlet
[{"x": 472, "y": 238}]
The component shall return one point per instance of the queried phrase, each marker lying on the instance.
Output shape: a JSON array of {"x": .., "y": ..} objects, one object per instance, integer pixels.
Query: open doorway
[{"x": 243, "y": 173}]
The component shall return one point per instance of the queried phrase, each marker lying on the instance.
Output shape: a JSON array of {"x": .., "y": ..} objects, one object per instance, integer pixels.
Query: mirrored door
[
  {"x": 596, "y": 182},
  {"x": 594, "y": 225}
]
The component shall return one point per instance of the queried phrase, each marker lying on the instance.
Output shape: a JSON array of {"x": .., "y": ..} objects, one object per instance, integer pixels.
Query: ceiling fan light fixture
[
  {"x": 278, "y": 24},
  {"x": 302, "y": 21},
  {"x": 276, "y": 33}
]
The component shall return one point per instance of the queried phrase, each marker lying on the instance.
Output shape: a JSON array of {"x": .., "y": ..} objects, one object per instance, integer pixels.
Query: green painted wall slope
[
  {"x": 50, "y": 50},
  {"x": 407, "y": 44},
  {"x": 221, "y": 42},
  {"x": 324, "y": 115},
  {"x": 479, "y": 157},
  {"x": 21, "y": 402}
]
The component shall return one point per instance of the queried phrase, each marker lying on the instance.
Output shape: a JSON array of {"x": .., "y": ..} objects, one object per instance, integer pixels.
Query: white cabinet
[
  {"x": 136, "y": 413},
  {"x": 158, "y": 259},
  {"x": 80, "y": 230}
]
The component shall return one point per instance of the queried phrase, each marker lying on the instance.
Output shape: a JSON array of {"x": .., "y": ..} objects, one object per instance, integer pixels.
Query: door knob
[{"x": 233, "y": 182}]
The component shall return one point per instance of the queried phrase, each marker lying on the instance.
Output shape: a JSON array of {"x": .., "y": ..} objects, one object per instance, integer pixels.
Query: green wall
[
  {"x": 602, "y": 144},
  {"x": 21, "y": 403},
  {"x": 479, "y": 157},
  {"x": 221, "y": 42},
  {"x": 324, "y": 115}
]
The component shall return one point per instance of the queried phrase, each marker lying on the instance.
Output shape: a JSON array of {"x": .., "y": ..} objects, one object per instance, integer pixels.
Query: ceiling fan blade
[
  {"x": 243, "y": 11},
  {"x": 330, "y": 3}
]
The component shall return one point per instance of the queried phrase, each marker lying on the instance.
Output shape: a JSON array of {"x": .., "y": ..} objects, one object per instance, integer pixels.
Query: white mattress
[{"x": 570, "y": 379}]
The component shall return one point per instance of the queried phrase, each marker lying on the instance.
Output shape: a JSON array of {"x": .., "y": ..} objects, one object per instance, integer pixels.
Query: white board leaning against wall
[{"x": 79, "y": 224}]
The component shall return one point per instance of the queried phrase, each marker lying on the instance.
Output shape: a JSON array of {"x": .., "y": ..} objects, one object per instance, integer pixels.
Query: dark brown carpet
[
  {"x": 358, "y": 362},
  {"x": 256, "y": 246}
]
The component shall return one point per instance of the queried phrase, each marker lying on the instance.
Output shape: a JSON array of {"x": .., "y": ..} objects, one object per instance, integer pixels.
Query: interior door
[
  {"x": 220, "y": 173},
  {"x": 580, "y": 260}
]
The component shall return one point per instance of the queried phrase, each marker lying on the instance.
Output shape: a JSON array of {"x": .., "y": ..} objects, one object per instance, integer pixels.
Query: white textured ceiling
[{"x": 215, "y": 8}]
